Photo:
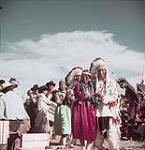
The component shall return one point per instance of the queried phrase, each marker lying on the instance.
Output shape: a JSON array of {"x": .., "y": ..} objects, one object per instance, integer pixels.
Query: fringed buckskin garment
[{"x": 107, "y": 110}]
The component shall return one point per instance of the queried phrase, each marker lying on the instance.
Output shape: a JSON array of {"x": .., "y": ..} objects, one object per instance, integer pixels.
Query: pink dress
[{"x": 83, "y": 114}]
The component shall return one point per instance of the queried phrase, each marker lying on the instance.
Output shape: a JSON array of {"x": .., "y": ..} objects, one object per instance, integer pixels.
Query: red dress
[{"x": 83, "y": 115}]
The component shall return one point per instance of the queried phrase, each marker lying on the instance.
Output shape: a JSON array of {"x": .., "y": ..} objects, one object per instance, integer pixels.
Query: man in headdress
[{"x": 107, "y": 112}]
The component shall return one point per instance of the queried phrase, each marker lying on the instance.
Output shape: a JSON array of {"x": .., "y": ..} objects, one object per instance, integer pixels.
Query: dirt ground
[{"x": 124, "y": 145}]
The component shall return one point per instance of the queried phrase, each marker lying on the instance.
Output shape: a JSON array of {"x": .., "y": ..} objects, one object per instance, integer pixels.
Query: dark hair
[
  {"x": 42, "y": 88},
  {"x": 12, "y": 79},
  {"x": 50, "y": 83},
  {"x": 2, "y": 82},
  {"x": 14, "y": 82},
  {"x": 120, "y": 80},
  {"x": 29, "y": 91},
  {"x": 35, "y": 87}
]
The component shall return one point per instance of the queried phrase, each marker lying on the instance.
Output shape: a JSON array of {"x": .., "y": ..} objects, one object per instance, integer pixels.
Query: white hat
[
  {"x": 7, "y": 84},
  {"x": 14, "y": 82}
]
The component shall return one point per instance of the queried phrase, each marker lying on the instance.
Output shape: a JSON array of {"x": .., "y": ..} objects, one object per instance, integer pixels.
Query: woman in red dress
[{"x": 83, "y": 113}]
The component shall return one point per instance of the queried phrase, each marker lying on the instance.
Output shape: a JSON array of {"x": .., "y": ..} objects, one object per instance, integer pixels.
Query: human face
[
  {"x": 122, "y": 85},
  {"x": 78, "y": 77},
  {"x": 102, "y": 73},
  {"x": 50, "y": 87},
  {"x": 31, "y": 93},
  {"x": 45, "y": 92},
  {"x": 85, "y": 78},
  {"x": 62, "y": 86}
]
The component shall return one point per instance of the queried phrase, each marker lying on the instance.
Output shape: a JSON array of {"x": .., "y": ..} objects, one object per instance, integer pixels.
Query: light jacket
[{"x": 12, "y": 107}]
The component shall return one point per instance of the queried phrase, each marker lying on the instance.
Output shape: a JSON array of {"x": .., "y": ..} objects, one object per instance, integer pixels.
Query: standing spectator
[
  {"x": 62, "y": 122},
  {"x": 31, "y": 107},
  {"x": 14, "y": 112},
  {"x": 4, "y": 125},
  {"x": 124, "y": 107},
  {"x": 132, "y": 98},
  {"x": 42, "y": 118},
  {"x": 130, "y": 95},
  {"x": 51, "y": 96}
]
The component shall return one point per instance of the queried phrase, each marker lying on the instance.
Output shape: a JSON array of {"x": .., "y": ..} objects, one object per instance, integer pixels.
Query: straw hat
[{"x": 6, "y": 85}]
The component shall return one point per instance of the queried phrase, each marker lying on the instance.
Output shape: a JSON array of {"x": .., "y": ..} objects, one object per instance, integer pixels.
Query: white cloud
[{"x": 52, "y": 56}]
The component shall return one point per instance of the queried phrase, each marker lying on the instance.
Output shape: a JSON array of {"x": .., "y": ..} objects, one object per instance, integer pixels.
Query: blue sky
[
  {"x": 42, "y": 36},
  {"x": 21, "y": 19}
]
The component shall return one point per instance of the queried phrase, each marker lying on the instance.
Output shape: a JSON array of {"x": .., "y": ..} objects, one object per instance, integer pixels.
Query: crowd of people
[
  {"x": 132, "y": 109},
  {"x": 85, "y": 107}
]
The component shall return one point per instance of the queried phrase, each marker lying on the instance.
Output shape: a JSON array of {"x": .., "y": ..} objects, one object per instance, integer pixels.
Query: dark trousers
[
  {"x": 104, "y": 125},
  {"x": 17, "y": 128}
]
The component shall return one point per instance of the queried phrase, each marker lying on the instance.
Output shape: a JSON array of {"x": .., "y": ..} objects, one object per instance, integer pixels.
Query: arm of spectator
[{"x": 59, "y": 98}]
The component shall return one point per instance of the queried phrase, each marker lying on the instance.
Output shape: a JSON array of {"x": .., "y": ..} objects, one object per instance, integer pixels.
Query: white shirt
[
  {"x": 14, "y": 107},
  {"x": 43, "y": 102}
]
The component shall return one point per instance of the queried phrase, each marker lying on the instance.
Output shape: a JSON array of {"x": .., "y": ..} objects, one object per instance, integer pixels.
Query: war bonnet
[
  {"x": 97, "y": 64},
  {"x": 71, "y": 75}
]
